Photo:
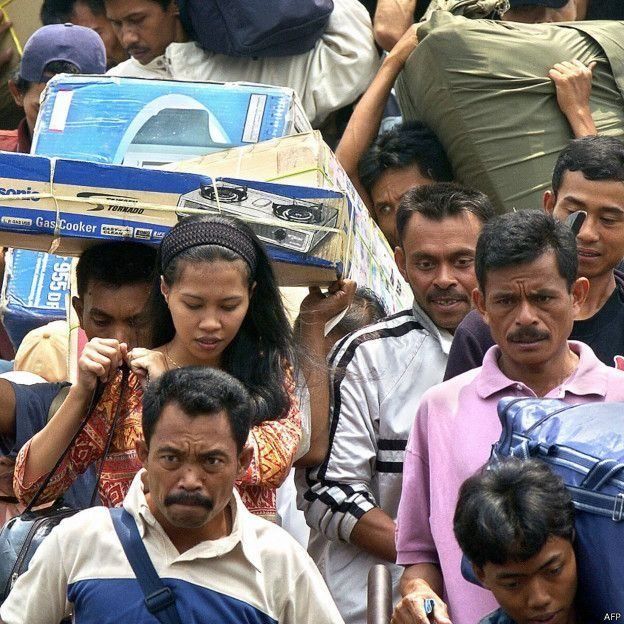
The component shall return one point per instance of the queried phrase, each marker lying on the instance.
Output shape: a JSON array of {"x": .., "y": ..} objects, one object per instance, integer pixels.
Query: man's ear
[
  {"x": 478, "y": 301},
  {"x": 17, "y": 96},
  {"x": 142, "y": 451},
  {"x": 244, "y": 459},
  {"x": 399, "y": 258},
  {"x": 548, "y": 202},
  {"x": 78, "y": 304},
  {"x": 580, "y": 289}
]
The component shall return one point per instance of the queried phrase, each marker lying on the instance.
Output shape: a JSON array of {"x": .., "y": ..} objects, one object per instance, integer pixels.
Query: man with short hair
[
  {"x": 222, "y": 563},
  {"x": 515, "y": 523},
  {"x": 331, "y": 75},
  {"x": 526, "y": 265},
  {"x": 59, "y": 48},
  {"x": 113, "y": 283},
  {"x": 383, "y": 167},
  {"x": 377, "y": 376},
  {"x": 588, "y": 176},
  {"x": 90, "y": 14}
]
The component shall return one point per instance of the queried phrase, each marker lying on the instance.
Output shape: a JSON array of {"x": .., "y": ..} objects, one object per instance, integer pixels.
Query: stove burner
[
  {"x": 227, "y": 194},
  {"x": 298, "y": 213}
]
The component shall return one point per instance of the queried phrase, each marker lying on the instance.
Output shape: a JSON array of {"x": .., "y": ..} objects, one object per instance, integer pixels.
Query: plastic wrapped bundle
[{"x": 483, "y": 87}]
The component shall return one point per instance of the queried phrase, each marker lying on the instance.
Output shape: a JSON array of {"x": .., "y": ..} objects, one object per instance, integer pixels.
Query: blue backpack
[
  {"x": 256, "y": 28},
  {"x": 583, "y": 444}
]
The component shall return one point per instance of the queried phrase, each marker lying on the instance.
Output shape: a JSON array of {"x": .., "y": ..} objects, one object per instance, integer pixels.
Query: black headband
[{"x": 188, "y": 234}]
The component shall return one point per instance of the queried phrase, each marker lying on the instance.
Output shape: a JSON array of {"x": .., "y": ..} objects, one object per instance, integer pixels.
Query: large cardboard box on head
[
  {"x": 145, "y": 123},
  {"x": 306, "y": 159},
  {"x": 64, "y": 206}
]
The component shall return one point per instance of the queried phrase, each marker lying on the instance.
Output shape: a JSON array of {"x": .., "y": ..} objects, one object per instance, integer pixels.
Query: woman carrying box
[{"x": 217, "y": 304}]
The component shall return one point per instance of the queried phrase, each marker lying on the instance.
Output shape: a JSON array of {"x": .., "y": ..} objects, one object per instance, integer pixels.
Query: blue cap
[{"x": 62, "y": 42}]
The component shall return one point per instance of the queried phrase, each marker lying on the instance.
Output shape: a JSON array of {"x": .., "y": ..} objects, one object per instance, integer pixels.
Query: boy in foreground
[{"x": 515, "y": 522}]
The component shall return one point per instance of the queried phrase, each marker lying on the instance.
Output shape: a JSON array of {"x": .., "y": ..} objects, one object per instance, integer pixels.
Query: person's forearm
[
  {"x": 47, "y": 445},
  {"x": 315, "y": 371},
  {"x": 582, "y": 124},
  {"x": 415, "y": 574},
  {"x": 392, "y": 19},
  {"x": 363, "y": 126},
  {"x": 374, "y": 533},
  {"x": 7, "y": 409}
]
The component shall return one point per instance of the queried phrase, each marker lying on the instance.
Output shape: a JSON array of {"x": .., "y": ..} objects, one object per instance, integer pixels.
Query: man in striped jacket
[{"x": 377, "y": 376}]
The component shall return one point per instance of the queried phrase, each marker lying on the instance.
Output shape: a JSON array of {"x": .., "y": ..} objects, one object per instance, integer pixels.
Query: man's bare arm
[
  {"x": 7, "y": 409},
  {"x": 392, "y": 19},
  {"x": 364, "y": 124}
]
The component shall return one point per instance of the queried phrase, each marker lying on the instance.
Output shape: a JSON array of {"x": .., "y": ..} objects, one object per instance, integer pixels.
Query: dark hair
[
  {"x": 262, "y": 350},
  {"x": 51, "y": 69},
  {"x": 410, "y": 143},
  {"x": 442, "y": 200},
  {"x": 366, "y": 308},
  {"x": 521, "y": 237},
  {"x": 596, "y": 157},
  {"x": 116, "y": 264},
  {"x": 199, "y": 391},
  {"x": 508, "y": 511},
  {"x": 62, "y": 11}
]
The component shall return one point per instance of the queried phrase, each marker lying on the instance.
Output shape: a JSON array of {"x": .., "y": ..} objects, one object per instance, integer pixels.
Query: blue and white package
[
  {"x": 34, "y": 292},
  {"x": 64, "y": 206},
  {"x": 147, "y": 123}
]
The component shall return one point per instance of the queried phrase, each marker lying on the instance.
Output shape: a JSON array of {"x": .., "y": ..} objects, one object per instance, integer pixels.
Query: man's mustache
[
  {"x": 451, "y": 293},
  {"x": 528, "y": 334},
  {"x": 187, "y": 498}
]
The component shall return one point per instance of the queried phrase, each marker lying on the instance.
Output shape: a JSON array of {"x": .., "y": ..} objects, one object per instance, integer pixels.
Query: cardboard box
[
  {"x": 145, "y": 123},
  {"x": 306, "y": 159},
  {"x": 63, "y": 206},
  {"x": 35, "y": 291}
]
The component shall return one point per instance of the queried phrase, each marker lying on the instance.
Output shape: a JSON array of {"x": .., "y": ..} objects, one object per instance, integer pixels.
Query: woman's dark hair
[
  {"x": 262, "y": 350},
  {"x": 507, "y": 512},
  {"x": 522, "y": 237},
  {"x": 410, "y": 143}
]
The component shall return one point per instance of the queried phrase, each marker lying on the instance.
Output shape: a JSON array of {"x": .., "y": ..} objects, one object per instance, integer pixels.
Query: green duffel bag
[{"x": 483, "y": 88}]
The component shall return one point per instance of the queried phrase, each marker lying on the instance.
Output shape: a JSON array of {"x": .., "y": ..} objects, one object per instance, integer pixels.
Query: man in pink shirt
[{"x": 526, "y": 264}]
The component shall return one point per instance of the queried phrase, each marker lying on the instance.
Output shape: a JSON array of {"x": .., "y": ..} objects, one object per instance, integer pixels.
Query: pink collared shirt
[{"x": 453, "y": 432}]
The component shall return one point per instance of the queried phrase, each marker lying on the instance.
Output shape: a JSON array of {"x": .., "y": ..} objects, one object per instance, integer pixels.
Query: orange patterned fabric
[{"x": 274, "y": 442}]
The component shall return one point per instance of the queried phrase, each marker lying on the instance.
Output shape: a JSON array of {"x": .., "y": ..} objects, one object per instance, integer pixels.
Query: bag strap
[
  {"x": 159, "y": 599},
  {"x": 97, "y": 394}
]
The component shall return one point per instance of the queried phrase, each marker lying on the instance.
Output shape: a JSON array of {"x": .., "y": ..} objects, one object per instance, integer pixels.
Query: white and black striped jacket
[{"x": 378, "y": 375}]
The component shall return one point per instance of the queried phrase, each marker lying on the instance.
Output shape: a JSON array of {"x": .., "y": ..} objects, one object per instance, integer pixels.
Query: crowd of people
[{"x": 211, "y": 417}]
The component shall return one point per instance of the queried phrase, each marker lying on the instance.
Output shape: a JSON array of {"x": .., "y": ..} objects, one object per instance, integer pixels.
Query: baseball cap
[
  {"x": 62, "y": 42},
  {"x": 44, "y": 352},
  {"x": 549, "y": 4}
]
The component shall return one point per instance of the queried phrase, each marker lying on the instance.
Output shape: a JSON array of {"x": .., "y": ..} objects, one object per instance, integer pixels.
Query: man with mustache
[
  {"x": 588, "y": 176},
  {"x": 377, "y": 376},
  {"x": 221, "y": 563},
  {"x": 529, "y": 295}
]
